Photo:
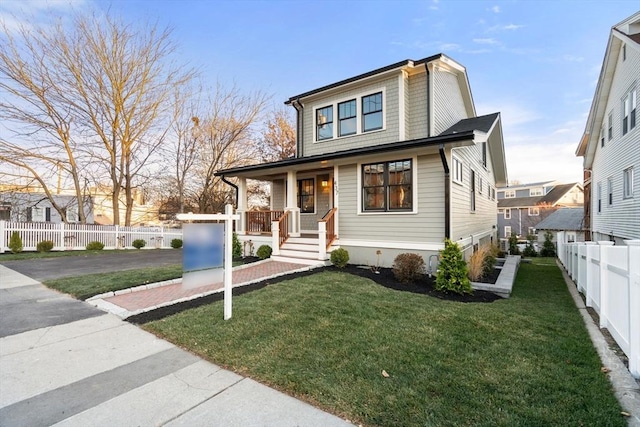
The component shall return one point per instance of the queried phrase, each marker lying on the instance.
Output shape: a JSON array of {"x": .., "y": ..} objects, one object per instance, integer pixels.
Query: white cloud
[
  {"x": 512, "y": 27},
  {"x": 485, "y": 41},
  {"x": 495, "y": 9},
  {"x": 509, "y": 27}
]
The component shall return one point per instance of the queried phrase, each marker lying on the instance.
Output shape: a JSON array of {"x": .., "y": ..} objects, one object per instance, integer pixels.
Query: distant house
[
  {"x": 610, "y": 144},
  {"x": 570, "y": 221},
  {"x": 522, "y": 207},
  {"x": 390, "y": 161},
  {"x": 36, "y": 207}
]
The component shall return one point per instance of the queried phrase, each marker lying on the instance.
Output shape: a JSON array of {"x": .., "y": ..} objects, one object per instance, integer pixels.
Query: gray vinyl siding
[
  {"x": 448, "y": 103},
  {"x": 278, "y": 196},
  {"x": 427, "y": 226},
  {"x": 622, "y": 218},
  {"x": 390, "y": 110},
  {"x": 464, "y": 222},
  {"x": 417, "y": 113}
]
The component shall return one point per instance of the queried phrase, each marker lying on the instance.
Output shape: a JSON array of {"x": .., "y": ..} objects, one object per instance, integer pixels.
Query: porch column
[
  {"x": 241, "y": 226},
  {"x": 292, "y": 204}
]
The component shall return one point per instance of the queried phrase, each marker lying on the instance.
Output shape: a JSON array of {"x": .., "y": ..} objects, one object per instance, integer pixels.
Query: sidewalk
[
  {"x": 130, "y": 302},
  {"x": 92, "y": 368}
]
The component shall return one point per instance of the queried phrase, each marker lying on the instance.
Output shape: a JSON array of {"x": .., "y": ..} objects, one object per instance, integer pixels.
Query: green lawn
[
  {"x": 326, "y": 338},
  {"x": 83, "y": 287}
]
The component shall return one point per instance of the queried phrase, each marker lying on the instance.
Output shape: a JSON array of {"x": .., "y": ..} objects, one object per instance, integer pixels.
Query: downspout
[
  {"x": 299, "y": 127},
  {"x": 429, "y": 106},
  {"x": 447, "y": 195},
  {"x": 233, "y": 185}
]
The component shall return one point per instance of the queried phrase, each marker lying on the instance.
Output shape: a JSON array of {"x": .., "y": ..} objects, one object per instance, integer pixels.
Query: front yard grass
[{"x": 326, "y": 339}]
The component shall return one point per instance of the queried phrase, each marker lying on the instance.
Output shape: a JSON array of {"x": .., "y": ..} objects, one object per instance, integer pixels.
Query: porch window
[
  {"x": 387, "y": 186},
  {"x": 347, "y": 118},
  {"x": 372, "y": 112},
  {"x": 306, "y": 195},
  {"x": 324, "y": 123}
]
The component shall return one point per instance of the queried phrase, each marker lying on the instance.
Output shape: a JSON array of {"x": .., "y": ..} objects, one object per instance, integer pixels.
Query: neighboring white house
[
  {"x": 611, "y": 141},
  {"x": 36, "y": 207},
  {"x": 390, "y": 161}
]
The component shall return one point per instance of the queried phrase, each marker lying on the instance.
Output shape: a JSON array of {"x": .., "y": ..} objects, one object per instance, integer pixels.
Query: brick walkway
[{"x": 163, "y": 295}]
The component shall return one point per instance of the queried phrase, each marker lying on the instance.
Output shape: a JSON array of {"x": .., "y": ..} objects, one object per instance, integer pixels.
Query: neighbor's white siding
[
  {"x": 622, "y": 218},
  {"x": 448, "y": 103}
]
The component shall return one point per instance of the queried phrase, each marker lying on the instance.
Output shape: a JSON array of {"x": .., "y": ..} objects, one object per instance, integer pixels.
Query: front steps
[{"x": 302, "y": 250}]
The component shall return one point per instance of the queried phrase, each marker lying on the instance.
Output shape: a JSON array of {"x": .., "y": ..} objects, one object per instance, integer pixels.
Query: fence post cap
[
  {"x": 635, "y": 242},
  {"x": 605, "y": 243}
]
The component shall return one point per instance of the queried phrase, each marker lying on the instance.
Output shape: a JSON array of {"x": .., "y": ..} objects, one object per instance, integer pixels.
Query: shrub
[
  {"x": 477, "y": 262},
  {"x": 176, "y": 243},
  {"x": 15, "y": 242},
  {"x": 548, "y": 248},
  {"x": 237, "y": 247},
  {"x": 513, "y": 244},
  {"x": 452, "y": 270},
  {"x": 408, "y": 267},
  {"x": 139, "y": 243},
  {"x": 263, "y": 252},
  {"x": 340, "y": 257},
  {"x": 95, "y": 246},
  {"x": 529, "y": 251},
  {"x": 44, "y": 246},
  {"x": 489, "y": 262}
]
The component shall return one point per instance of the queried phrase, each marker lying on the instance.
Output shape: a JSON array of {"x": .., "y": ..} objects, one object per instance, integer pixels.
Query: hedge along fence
[{"x": 76, "y": 236}]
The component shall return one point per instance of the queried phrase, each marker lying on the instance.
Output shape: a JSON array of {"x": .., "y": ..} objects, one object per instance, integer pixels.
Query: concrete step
[
  {"x": 295, "y": 246},
  {"x": 299, "y": 254},
  {"x": 303, "y": 261},
  {"x": 303, "y": 240}
]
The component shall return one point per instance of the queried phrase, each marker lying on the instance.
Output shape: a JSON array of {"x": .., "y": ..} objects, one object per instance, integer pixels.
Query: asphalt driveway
[{"x": 42, "y": 269}]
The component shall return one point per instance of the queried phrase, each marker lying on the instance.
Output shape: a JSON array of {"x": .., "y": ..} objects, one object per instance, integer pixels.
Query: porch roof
[{"x": 320, "y": 160}]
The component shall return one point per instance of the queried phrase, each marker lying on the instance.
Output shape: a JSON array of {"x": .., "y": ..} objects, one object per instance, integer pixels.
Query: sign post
[{"x": 228, "y": 217}]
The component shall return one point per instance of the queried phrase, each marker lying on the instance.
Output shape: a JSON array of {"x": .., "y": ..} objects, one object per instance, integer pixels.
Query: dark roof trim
[
  {"x": 363, "y": 76},
  {"x": 394, "y": 146},
  {"x": 481, "y": 123}
]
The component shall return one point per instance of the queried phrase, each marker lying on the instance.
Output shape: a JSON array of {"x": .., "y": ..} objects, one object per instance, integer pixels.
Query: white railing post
[
  {"x": 590, "y": 247},
  {"x": 275, "y": 238},
  {"x": 62, "y": 245},
  {"x": 2, "y": 242},
  {"x": 634, "y": 306},
  {"x": 241, "y": 223},
  {"x": 322, "y": 240},
  {"x": 604, "y": 283}
]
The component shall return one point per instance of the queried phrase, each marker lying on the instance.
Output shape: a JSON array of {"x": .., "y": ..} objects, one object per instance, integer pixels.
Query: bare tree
[
  {"x": 104, "y": 90},
  {"x": 279, "y": 138}
]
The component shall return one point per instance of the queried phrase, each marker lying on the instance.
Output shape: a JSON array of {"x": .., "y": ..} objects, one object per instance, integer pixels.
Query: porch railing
[
  {"x": 260, "y": 221},
  {"x": 283, "y": 227},
  {"x": 330, "y": 223}
]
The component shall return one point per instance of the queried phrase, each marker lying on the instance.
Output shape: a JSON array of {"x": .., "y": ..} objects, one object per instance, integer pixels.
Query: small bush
[
  {"x": 237, "y": 247},
  {"x": 263, "y": 252},
  {"x": 529, "y": 251},
  {"x": 340, "y": 257},
  {"x": 452, "y": 270},
  {"x": 44, "y": 246},
  {"x": 513, "y": 244},
  {"x": 176, "y": 243},
  {"x": 548, "y": 248},
  {"x": 408, "y": 267},
  {"x": 95, "y": 246},
  {"x": 15, "y": 243},
  {"x": 476, "y": 263},
  {"x": 139, "y": 243},
  {"x": 489, "y": 262}
]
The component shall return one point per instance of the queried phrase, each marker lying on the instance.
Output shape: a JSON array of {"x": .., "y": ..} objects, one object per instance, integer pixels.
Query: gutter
[
  {"x": 447, "y": 193},
  {"x": 233, "y": 185}
]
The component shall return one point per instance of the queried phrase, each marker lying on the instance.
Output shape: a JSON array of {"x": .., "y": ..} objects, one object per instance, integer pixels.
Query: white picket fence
[
  {"x": 76, "y": 236},
  {"x": 609, "y": 278}
]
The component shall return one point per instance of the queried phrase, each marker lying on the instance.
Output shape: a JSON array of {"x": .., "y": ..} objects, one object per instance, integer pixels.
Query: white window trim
[
  {"x": 414, "y": 187},
  {"x": 358, "y": 98},
  {"x": 536, "y": 211},
  {"x": 480, "y": 185},
  {"x": 507, "y": 213},
  {"x": 627, "y": 190},
  {"x": 458, "y": 179},
  {"x": 533, "y": 192},
  {"x": 507, "y": 192},
  {"x": 507, "y": 234},
  {"x": 630, "y": 95}
]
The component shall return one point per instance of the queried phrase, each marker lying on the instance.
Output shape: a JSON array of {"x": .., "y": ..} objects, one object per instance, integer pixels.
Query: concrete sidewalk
[{"x": 95, "y": 369}]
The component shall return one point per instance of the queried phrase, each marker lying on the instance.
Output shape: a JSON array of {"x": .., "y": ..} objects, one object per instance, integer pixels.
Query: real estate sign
[{"x": 202, "y": 255}]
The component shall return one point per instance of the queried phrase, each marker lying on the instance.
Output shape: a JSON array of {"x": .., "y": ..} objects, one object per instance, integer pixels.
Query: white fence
[
  {"x": 609, "y": 278},
  {"x": 76, "y": 236}
]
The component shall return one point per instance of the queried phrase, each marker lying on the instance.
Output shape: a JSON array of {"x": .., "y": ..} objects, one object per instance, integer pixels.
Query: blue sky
[{"x": 537, "y": 62}]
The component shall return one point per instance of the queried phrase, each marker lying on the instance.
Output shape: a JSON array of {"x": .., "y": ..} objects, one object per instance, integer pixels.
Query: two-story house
[
  {"x": 522, "y": 207},
  {"x": 390, "y": 161},
  {"x": 610, "y": 144}
]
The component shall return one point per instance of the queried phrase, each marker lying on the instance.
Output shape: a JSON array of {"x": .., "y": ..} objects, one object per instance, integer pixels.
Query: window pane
[
  {"x": 373, "y": 198},
  {"x": 324, "y": 123},
  {"x": 372, "y": 121},
  {"x": 374, "y": 174},
  {"x": 347, "y": 126},
  {"x": 306, "y": 198},
  {"x": 400, "y": 197},
  {"x": 372, "y": 103}
]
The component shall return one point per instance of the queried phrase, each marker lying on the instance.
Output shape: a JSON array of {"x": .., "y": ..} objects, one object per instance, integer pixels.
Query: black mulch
[{"x": 384, "y": 277}]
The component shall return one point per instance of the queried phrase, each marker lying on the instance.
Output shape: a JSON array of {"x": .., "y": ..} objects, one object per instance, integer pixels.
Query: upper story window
[
  {"x": 509, "y": 194},
  {"x": 610, "y": 126},
  {"x": 387, "y": 186},
  {"x": 624, "y": 52},
  {"x": 484, "y": 154},
  {"x": 457, "y": 170},
  {"x": 372, "y": 112},
  {"x": 534, "y": 211},
  {"x": 324, "y": 123},
  {"x": 627, "y": 183},
  {"x": 347, "y": 112},
  {"x": 629, "y": 112},
  {"x": 535, "y": 192},
  {"x": 507, "y": 213},
  {"x": 480, "y": 185},
  {"x": 610, "y": 190},
  {"x": 602, "y": 138},
  {"x": 472, "y": 190}
]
